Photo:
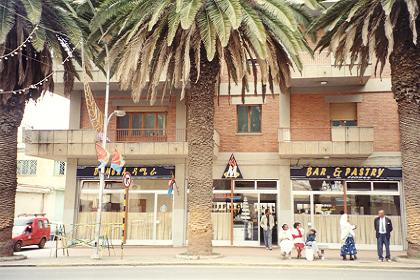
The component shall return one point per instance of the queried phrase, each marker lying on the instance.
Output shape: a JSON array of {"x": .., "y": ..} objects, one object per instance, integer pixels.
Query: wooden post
[
  {"x": 232, "y": 183},
  {"x": 345, "y": 196}
]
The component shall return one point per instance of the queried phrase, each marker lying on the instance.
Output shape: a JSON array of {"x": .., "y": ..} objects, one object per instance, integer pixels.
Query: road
[{"x": 199, "y": 272}]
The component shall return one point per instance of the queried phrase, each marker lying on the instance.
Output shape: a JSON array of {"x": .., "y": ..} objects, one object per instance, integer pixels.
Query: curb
[
  {"x": 13, "y": 258},
  {"x": 404, "y": 259},
  {"x": 279, "y": 265},
  {"x": 184, "y": 256}
]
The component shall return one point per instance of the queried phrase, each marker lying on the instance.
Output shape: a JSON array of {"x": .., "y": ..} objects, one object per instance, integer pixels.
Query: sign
[
  {"x": 139, "y": 172},
  {"x": 127, "y": 180},
  {"x": 232, "y": 170},
  {"x": 363, "y": 173}
]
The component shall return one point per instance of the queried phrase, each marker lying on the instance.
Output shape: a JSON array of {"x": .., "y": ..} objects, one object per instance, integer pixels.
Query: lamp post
[{"x": 117, "y": 113}]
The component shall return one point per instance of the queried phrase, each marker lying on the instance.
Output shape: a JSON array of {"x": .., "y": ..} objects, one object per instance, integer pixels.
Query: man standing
[
  {"x": 267, "y": 224},
  {"x": 383, "y": 228}
]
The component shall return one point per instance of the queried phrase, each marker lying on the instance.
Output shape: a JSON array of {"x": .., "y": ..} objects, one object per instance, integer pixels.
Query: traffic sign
[{"x": 126, "y": 180}]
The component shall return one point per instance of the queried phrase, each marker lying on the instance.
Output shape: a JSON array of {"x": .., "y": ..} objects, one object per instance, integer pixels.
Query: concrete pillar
[
  {"x": 75, "y": 106},
  {"x": 179, "y": 217},
  {"x": 70, "y": 193},
  {"x": 285, "y": 209},
  {"x": 284, "y": 117}
]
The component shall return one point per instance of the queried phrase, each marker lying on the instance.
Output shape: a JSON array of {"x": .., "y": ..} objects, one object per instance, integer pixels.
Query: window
[
  {"x": 135, "y": 125},
  {"x": 249, "y": 118},
  {"x": 26, "y": 167},
  {"x": 343, "y": 114},
  {"x": 59, "y": 168}
]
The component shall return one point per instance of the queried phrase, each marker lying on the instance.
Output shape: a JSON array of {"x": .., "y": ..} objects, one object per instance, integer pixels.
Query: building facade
[
  {"x": 329, "y": 144},
  {"x": 40, "y": 186}
]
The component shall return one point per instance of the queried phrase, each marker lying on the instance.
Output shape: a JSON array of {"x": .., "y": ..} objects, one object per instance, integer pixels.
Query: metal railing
[{"x": 149, "y": 135}]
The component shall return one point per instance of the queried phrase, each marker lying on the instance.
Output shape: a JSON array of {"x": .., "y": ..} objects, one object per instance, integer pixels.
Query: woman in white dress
[
  {"x": 286, "y": 241},
  {"x": 348, "y": 245}
]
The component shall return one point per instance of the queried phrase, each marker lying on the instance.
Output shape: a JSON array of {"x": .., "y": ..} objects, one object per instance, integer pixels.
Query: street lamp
[{"x": 117, "y": 113}]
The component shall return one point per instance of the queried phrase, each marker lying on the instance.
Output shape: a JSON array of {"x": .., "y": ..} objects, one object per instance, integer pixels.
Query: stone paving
[{"x": 228, "y": 256}]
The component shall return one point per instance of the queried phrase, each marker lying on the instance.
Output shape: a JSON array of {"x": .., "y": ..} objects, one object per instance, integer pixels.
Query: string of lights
[
  {"x": 45, "y": 79},
  {"x": 63, "y": 42},
  {"x": 20, "y": 47}
]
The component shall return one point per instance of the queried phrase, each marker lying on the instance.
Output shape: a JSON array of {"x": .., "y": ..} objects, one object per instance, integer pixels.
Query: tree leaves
[{"x": 33, "y": 10}]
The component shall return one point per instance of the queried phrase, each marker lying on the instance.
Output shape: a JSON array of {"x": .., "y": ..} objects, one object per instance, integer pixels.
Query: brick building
[{"x": 330, "y": 143}]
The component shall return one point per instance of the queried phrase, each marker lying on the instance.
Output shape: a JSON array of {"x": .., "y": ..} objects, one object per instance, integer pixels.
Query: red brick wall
[
  {"x": 379, "y": 110},
  {"x": 226, "y": 125},
  {"x": 170, "y": 120},
  {"x": 310, "y": 118}
]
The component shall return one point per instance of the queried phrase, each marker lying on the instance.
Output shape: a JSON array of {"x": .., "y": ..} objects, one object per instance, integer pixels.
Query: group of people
[
  {"x": 289, "y": 238},
  {"x": 295, "y": 238}
]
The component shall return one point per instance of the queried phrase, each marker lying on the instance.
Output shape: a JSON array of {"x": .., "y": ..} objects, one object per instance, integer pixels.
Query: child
[
  {"x": 311, "y": 246},
  {"x": 297, "y": 234}
]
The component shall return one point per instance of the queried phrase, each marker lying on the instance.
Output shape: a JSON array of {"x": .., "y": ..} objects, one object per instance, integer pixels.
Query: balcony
[
  {"x": 326, "y": 142},
  {"x": 322, "y": 67},
  {"x": 80, "y": 143}
]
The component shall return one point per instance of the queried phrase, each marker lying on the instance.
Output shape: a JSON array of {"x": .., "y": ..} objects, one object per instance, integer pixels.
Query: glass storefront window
[
  {"x": 302, "y": 210},
  {"x": 149, "y": 210},
  {"x": 359, "y": 186},
  {"x": 221, "y": 184},
  {"x": 317, "y": 185},
  {"x": 244, "y": 185},
  {"x": 142, "y": 184},
  {"x": 362, "y": 209},
  {"x": 385, "y": 186},
  {"x": 221, "y": 216},
  {"x": 267, "y": 185}
]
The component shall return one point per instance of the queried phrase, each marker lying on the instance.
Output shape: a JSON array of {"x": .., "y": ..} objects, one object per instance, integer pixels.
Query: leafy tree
[
  {"x": 385, "y": 31},
  {"x": 188, "y": 42},
  {"x": 26, "y": 69}
]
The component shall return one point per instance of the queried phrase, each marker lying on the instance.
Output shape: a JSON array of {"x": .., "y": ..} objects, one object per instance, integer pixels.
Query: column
[
  {"x": 70, "y": 193},
  {"x": 179, "y": 220},
  {"x": 285, "y": 207}
]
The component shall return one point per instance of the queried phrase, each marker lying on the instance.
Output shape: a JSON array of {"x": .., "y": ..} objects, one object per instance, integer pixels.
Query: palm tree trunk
[
  {"x": 11, "y": 114},
  {"x": 200, "y": 104},
  {"x": 405, "y": 73}
]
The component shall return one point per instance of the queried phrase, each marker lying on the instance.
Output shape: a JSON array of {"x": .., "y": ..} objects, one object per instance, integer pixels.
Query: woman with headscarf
[
  {"x": 286, "y": 241},
  {"x": 348, "y": 246}
]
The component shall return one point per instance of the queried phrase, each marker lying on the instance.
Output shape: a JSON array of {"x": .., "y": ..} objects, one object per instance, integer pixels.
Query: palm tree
[
  {"x": 30, "y": 32},
  {"x": 385, "y": 30},
  {"x": 188, "y": 42}
]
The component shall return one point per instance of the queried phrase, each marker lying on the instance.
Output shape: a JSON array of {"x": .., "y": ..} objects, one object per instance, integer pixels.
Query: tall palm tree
[
  {"x": 26, "y": 68},
  {"x": 385, "y": 30},
  {"x": 188, "y": 42}
]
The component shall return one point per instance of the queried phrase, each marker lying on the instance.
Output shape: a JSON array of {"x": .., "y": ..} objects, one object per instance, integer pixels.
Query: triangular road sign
[{"x": 232, "y": 170}]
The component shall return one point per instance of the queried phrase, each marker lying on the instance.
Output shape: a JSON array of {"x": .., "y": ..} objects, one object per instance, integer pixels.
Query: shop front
[
  {"x": 238, "y": 206},
  {"x": 150, "y": 208},
  {"x": 319, "y": 194}
]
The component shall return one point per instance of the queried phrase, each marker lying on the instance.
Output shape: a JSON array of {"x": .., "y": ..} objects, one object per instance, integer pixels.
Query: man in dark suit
[{"x": 383, "y": 228}]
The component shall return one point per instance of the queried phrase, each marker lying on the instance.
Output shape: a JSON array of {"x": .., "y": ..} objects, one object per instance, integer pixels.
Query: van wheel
[
  {"x": 41, "y": 244},
  {"x": 18, "y": 246}
]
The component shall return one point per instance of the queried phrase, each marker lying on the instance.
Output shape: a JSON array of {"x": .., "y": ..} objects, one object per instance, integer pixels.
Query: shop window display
[
  {"x": 362, "y": 207},
  {"x": 149, "y": 211}
]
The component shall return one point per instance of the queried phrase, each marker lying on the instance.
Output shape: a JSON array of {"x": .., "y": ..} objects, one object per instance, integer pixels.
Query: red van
[{"x": 30, "y": 230}]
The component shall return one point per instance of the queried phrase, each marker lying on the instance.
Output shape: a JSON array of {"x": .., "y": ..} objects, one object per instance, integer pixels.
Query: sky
[{"x": 50, "y": 112}]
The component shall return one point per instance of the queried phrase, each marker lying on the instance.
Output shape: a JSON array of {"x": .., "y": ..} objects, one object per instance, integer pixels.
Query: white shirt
[{"x": 382, "y": 225}]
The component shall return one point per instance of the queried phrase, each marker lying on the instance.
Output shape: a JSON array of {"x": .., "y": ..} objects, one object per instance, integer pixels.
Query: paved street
[{"x": 197, "y": 272}]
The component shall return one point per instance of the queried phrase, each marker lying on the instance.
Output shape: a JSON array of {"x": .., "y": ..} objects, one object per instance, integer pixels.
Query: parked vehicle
[{"x": 33, "y": 229}]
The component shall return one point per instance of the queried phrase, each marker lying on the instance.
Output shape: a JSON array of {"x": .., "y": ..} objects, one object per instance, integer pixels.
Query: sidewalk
[{"x": 150, "y": 256}]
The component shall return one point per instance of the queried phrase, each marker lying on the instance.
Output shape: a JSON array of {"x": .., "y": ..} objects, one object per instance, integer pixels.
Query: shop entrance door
[
  {"x": 149, "y": 218},
  {"x": 268, "y": 201}
]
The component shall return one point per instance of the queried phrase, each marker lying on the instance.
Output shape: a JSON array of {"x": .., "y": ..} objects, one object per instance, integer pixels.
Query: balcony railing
[{"x": 149, "y": 135}]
